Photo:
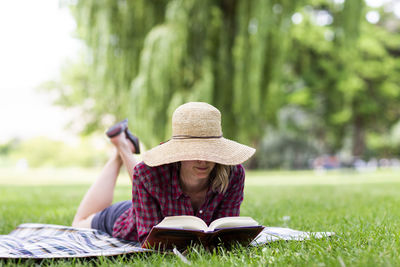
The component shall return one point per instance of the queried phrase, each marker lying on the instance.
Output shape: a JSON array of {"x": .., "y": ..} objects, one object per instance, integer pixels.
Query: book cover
[{"x": 170, "y": 236}]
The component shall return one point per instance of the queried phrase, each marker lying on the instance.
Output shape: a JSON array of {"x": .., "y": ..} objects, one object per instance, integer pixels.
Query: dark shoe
[
  {"x": 117, "y": 128},
  {"x": 120, "y": 127},
  {"x": 134, "y": 140}
]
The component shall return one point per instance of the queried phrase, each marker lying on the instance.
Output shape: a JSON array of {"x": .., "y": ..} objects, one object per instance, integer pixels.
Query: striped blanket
[
  {"x": 41, "y": 241},
  {"x": 55, "y": 241}
]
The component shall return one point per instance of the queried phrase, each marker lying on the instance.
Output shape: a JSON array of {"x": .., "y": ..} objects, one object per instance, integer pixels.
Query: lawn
[{"x": 361, "y": 208}]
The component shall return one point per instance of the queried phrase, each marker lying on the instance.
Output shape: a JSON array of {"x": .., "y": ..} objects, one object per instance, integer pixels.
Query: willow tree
[
  {"x": 113, "y": 34},
  {"x": 148, "y": 57},
  {"x": 227, "y": 53}
]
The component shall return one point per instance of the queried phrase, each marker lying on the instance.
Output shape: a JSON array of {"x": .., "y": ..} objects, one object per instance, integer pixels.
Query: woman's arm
[{"x": 146, "y": 207}]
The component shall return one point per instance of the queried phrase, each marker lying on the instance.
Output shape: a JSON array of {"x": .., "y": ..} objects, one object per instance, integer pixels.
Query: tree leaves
[{"x": 250, "y": 59}]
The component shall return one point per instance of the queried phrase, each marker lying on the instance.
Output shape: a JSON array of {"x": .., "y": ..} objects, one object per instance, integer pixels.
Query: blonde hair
[{"x": 220, "y": 177}]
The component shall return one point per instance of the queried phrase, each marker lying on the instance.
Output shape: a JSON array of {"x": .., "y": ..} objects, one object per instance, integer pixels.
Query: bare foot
[
  {"x": 116, "y": 157},
  {"x": 122, "y": 143},
  {"x": 125, "y": 149}
]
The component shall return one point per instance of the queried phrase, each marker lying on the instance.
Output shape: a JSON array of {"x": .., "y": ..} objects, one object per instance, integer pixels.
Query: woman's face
[{"x": 197, "y": 168}]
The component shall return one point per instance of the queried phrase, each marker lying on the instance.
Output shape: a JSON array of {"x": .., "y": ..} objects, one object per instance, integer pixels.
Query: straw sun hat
[{"x": 197, "y": 135}]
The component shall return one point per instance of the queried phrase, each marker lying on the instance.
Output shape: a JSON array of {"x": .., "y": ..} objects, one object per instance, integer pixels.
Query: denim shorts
[{"x": 104, "y": 220}]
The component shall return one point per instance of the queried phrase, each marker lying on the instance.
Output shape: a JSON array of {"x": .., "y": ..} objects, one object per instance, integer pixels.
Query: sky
[{"x": 36, "y": 37}]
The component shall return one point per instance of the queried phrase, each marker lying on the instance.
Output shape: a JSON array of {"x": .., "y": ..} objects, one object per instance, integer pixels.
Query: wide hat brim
[{"x": 218, "y": 150}]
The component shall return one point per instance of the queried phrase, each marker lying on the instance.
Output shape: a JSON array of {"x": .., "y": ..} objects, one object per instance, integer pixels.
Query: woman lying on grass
[{"x": 197, "y": 172}]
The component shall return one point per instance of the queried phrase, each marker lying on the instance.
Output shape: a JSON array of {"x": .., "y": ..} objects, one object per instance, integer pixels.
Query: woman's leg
[{"x": 100, "y": 194}]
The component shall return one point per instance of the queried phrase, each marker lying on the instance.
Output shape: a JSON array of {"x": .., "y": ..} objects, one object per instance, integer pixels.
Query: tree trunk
[{"x": 358, "y": 137}]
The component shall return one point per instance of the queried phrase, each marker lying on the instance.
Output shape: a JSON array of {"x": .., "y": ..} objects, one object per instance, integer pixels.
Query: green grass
[{"x": 361, "y": 208}]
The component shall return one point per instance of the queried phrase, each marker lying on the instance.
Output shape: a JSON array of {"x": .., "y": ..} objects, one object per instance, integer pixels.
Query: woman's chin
[{"x": 203, "y": 175}]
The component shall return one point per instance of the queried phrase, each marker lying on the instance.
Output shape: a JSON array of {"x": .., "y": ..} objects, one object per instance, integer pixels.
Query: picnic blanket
[
  {"x": 44, "y": 241},
  {"x": 272, "y": 234}
]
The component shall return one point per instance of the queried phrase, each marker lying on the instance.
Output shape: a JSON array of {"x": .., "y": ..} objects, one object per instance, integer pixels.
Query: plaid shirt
[{"x": 156, "y": 194}]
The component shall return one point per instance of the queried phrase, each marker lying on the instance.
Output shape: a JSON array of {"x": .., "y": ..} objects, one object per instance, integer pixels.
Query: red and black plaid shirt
[{"x": 157, "y": 194}]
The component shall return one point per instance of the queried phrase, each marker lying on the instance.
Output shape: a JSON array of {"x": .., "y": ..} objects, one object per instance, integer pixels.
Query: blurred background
[{"x": 312, "y": 84}]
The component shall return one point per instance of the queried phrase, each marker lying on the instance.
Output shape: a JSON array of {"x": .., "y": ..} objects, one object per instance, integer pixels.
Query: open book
[{"x": 182, "y": 231}]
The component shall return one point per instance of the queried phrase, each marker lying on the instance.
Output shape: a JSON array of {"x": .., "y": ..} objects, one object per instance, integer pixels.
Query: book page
[
  {"x": 228, "y": 222},
  {"x": 183, "y": 222}
]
